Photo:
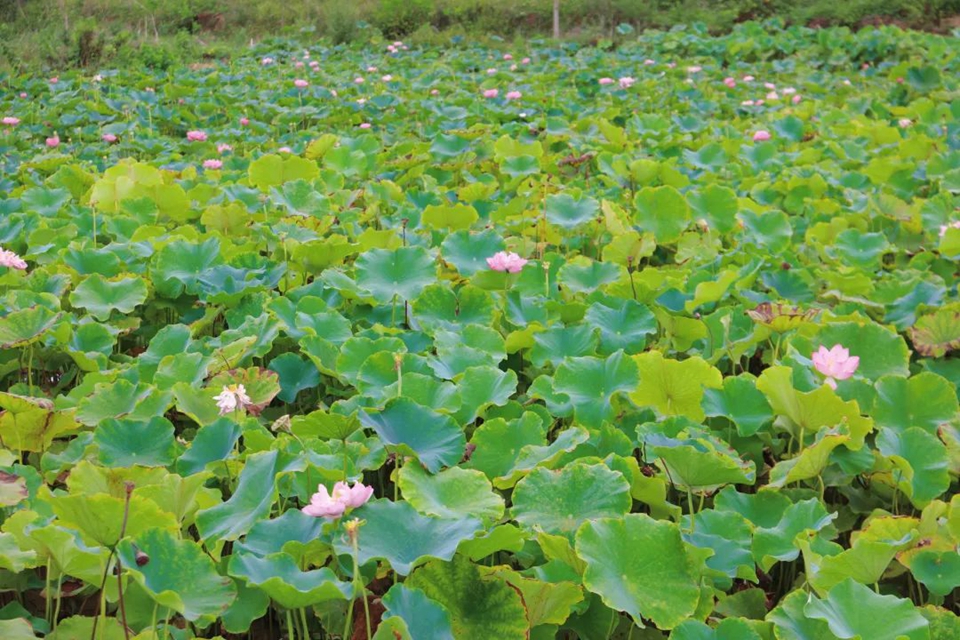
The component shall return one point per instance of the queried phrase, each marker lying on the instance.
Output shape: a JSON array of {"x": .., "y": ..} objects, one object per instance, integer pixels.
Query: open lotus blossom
[
  {"x": 507, "y": 56},
  {"x": 391, "y": 48},
  {"x": 314, "y": 64},
  {"x": 10, "y": 121},
  {"x": 300, "y": 83},
  {"x": 109, "y": 138},
  {"x": 298, "y": 64},
  {"x": 648, "y": 62},
  {"x": 904, "y": 122},
  {"x": 54, "y": 80},
  {"x": 626, "y": 82},
  {"x": 285, "y": 150},
  {"x": 796, "y": 99},
  {"x": 23, "y": 94},
  {"x": 434, "y": 92},
  {"x": 11, "y": 260},
  {"x": 387, "y": 78},
  {"x": 525, "y": 61},
  {"x": 761, "y": 136},
  {"x": 53, "y": 141},
  {"x": 605, "y": 81},
  {"x": 358, "y": 80},
  {"x": 835, "y": 364},
  {"x": 266, "y": 61},
  {"x": 748, "y": 78},
  {"x": 730, "y": 82},
  {"x": 788, "y": 91},
  {"x": 514, "y": 95},
  {"x": 365, "y": 125},
  {"x": 98, "y": 78},
  {"x": 513, "y": 67},
  {"x": 773, "y": 96},
  {"x": 361, "y": 101},
  {"x": 324, "y": 504},
  {"x": 244, "y": 121},
  {"x": 503, "y": 261},
  {"x": 196, "y": 136},
  {"x": 223, "y": 147},
  {"x": 491, "y": 71},
  {"x": 491, "y": 93},
  {"x": 769, "y": 86},
  {"x": 950, "y": 225},
  {"x": 212, "y": 164},
  {"x": 747, "y": 103},
  {"x": 694, "y": 69},
  {"x": 233, "y": 397}
]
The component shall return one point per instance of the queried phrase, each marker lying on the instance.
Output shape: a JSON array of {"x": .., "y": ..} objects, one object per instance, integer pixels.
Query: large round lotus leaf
[
  {"x": 881, "y": 351},
  {"x": 395, "y": 532},
  {"x": 558, "y": 502},
  {"x": 296, "y": 374},
  {"x": 778, "y": 542},
  {"x": 481, "y": 387},
  {"x": 939, "y": 571},
  {"x": 925, "y": 400},
  {"x": 179, "y": 265},
  {"x": 99, "y": 517},
  {"x": 921, "y": 463},
  {"x": 271, "y": 170},
  {"x": 498, "y": 443},
  {"x": 717, "y": 205},
  {"x": 250, "y": 604},
  {"x": 698, "y": 461},
  {"x": 278, "y": 576},
  {"x": 35, "y": 429},
  {"x": 212, "y": 443},
  {"x": 452, "y": 493},
  {"x": 380, "y": 370},
  {"x": 125, "y": 443},
  {"x": 791, "y": 623},
  {"x": 468, "y": 251},
  {"x": 21, "y": 629},
  {"x": 402, "y": 273},
  {"x": 729, "y": 535},
  {"x": 480, "y": 608},
  {"x": 944, "y": 624},
  {"x": 436, "y": 439},
  {"x": 853, "y": 610},
  {"x": 728, "y": 629},
  {"x": 441, "y": 307},
  {"x": 674, "y": 387},
  {"x": 810, "y": 463},
  {"x": 24, "y": 326},
  {"x": 426, "y": 619},
  {"x": 663, "y": 211},
  {"x": 558, "y": 342},
  {"x": 625, "y": 326},
  {"x": 100, "y": 296},
  {"x": 76, "y": 627},
  {"x": 740, "y": 402},
  {"x": 453, "y": 217},
  {"x": 91, "y": 344},
  {"x": 122, "y": 399},
  {"x": 568, "y": 212},
  {"x": 355, "y": 351},
  {"x": 640, "y": 566},
  {"x": 859, "y": 249},
  {"x": 592, "y": 382},
  {"x": 177, "y": 573},
  {"x": 937, "y": 333},
  {"x": 585, "y": 276}
]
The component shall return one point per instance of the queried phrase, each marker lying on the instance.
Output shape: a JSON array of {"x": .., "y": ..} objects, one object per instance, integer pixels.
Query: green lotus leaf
[
  {"x": 923, "y": 79},
  {"x": 83, "y": 627},
  {"x": 591, "y": 383},
  {"x": 122, "y": 399},
  {"x": 939, "y": 571},
  {"x": 865, "y": 561},
  {"x": 479, "y": 607},
  {"x": 810, "y": 462},
  {"x": 299, "y": 198},
  {"x": 728, "y": 629},
  {"x": 482, "y": 387},
  {"x": 453, "y": 217},
  {"x": 791, "y": 623},
  {"x": 568, "y": 212},
  {"x": 278, "y": 576},
  {"x": 425, "y": 618},
  {"x": 937, "y": 333},
  {"x": 881, "y": 350},
  {"x": 859, "y": 249},
  {"x": 498, "y": 443},
  {"x": 434, "y": 438},
  {"x": 585, "y": 276},
  {"x": 355, "y": 351},
  {"x": 35, "y": 429},
  {"x": 395, "y": 532},
  {"x": 250, "y": 604},
  {"x": 920, "y": 461},
  {"x": 944, "y": 625},
  {"x": 640, "y": 566},
  {"x": 177, "y": 573},
  {"x": 99, "y": 517},
  {"x": 625, "y": 326},
  {"x": 672, "y": 387},
  {"x": 12, "y": 557},
  {"x": 18, "y": 629},
  {"x": 558, "y": 502},
  {"x": 698, "y": 461},
  {"x": 271, "y": 170},
  {"x": 179, "y": 265},
  {"x": 399, "y": 273},
  {"x": 452, "y": 493},
  {"x": 740, "y": 402},
  {"x": 125, "y": 443},
  {"x": 24, "y": 326},
  {"x": 441, "y": 307},
  {"x": 212, "y": 443},
  {"x": 853, "y": 610},
  {"x": 663, "y": 211},
  {"x": 547, "y": 603},
  {"x": 729, "y": 536},
  {"x": 468, "y": 250},
  {"x": 101, "y": 297},
  {"x": 556, "y": 343},
  {"x": 295, "y": 373},
  {"x": 925, "y": 400},
  {"x": 717, "y": 205},
  {"x": 777, "y": 543}
]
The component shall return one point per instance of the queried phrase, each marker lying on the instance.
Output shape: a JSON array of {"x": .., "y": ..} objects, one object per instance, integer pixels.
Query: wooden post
[{"x": 556, "y": 19}]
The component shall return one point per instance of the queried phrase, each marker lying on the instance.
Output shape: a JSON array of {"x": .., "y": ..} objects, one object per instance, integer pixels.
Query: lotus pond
[{"x": 654, "y": 341}]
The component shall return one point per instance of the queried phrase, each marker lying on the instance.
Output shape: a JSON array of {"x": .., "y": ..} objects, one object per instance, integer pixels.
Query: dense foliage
[{"x": 712, "y": 395}]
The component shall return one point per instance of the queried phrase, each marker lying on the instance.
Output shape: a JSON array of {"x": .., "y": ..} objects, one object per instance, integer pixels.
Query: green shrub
[
  {"x": 397, "y": 18},
  {"x": 340, "y": 21}
]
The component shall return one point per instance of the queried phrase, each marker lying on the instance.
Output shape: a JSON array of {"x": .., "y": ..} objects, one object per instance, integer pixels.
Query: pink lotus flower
[
  {"x": 223, "y": 148},
  {"x": 525, "y": 61},
  {"x": 212, "y": 164},
  {"x": 266, "y": 61},
  {"x": 371, "y": 69},
  {"x": 835, "y": 364},
  {"x": 773, "y": 96},
  {"x": 950, "y": 225},
  {"x": 748, "y": 78},
  {"x": 397, "y": 43},
  {"x": 365, "y": 125},
  {"x": 10, "y": 121},
  {"x": 694, "y": 69},
  {"x": 109, "y": 138},
  {"x": 900, "y": 80},
  {"x": 358, "y": 80},
  {"x": 233, "y": 398},
  {"x": 626, "y": 82},
  {"x": 671, "y": 65},
  {"x": 53, "y": 141},
  {"x": 648, "y": 62},
  {"x": 314, "y": 64},
  {"x": 11, "y": 260},
  {"x": 54, "y": 80},
  {"x": 387, "y": 78},
  {"x": 904, "y": 122},
  {"x": 301, "y": 84},
  {"x": 23, "y": 94},
  {"x": 769, "y": 86},
  {"x": 761, "y": 135},
  {"x": 513, "y": 67},
  {"x": 514, "y": 95},
  {"x": 196, "y": 136},
  {"x": 788, "y": 91},
  {"x": 491, "y": 72},
  {"x": 391, "y": 48},
  {"x": 503, "y": 261},
  {"x": 605, "y": 81},
  {"x": 796, "y": 99},
  {"x": 491, "y": 93},
  {"x": 730, "y": 82},
  {"x": 298, "y": 64},
  {"x": 326, "y": 505},
  {"x": 747, "y": 103},
  {"x": 244, "y": 121},
  {"x": 434, "y": 92},
  {"x": 507, "y": 56},
  {"x": 284, "y": 150}
]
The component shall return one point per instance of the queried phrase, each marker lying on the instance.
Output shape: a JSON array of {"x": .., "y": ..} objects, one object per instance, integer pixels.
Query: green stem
[
  {"x": 303, "y": 622},
  {"x": 358, "y": 582},
  {"x": 290, "y": 635},
  {"x": 693, "y": 525},
  {"x": 56, "y": 609}
]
